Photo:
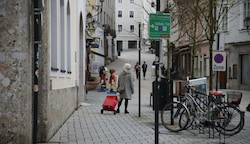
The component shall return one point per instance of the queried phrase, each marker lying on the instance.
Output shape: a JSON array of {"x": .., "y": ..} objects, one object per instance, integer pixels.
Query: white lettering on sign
[
  {"x": 219, "y": 61},
  {"x": 218, "y": 67}
]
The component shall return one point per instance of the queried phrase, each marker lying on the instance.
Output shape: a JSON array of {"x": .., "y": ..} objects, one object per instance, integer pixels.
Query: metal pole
[
  {"x": 139, "y": 56},
  {"x": 217, "y": 73},
  {"x": 37, "y": 42},
  {"x": 156, "y": 95}
]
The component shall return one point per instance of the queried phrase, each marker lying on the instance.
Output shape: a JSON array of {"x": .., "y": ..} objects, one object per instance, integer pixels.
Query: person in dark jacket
[
  {"x": 125, "y": 80},
  {"x": 144, "y": 69},
  {"x": 137, "y": 69}
]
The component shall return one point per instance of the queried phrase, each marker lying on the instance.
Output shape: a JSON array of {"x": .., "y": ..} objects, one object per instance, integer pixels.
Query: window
[
  {"x": 119, "y": 28},
  {"x": 132, "y": 28},
  {"x": 196, "y": 68},
  {"x": 131, "y": 1},
  {"x": 68, "y": 40},
  {"x": 119, "y": 1},
  {"x": 131, "y": 14},
  {"x": 246, "y": 12},
  {"x": 234, "y": 71},
  {"x": 62, "y": 38},
  {"x": 53, "y": 29},
  {"x": 244, "y": 69},
  {"x": 224, "y": 18},
  {"x": 119, "y": 13},
  {"x": 186, "y": 37}
]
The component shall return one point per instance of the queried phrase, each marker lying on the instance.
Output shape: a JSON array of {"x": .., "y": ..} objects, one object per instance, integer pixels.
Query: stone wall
[{"x": 15, "y": 72}]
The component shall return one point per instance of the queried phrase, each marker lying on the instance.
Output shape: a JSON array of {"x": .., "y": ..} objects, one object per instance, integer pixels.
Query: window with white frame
[
  {"x": 131, "y": 14},
  {"x": 69, "y": 71},
  {"x": 53, "y": 30},
  {"x": 119, "y": 1},
  {"x": 62, "y": 38},
  {"x": 225, "y": 18},
  {"x": 246, "y": 12},
  {"x": 119, "y": 28},
  {"x": 131, "y": 1},
  {"x": 119, "y": 13},
  {"x": 60, "y": 48},
  {"x": 132, "y": 28}
]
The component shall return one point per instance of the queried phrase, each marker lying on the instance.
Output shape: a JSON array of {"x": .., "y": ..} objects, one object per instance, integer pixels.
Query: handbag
[{"x": 121, "y": 88}]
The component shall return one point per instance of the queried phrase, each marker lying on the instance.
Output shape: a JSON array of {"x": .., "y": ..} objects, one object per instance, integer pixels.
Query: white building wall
[
  {"x": 141, "y": 11},
  {"x": 236, "y": 45},
  {"x": 236, "y": 32}
]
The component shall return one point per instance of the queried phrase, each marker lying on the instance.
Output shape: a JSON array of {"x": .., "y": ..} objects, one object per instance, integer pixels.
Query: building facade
[
  {"x": 237, "y": 46},
  {"x": 128, "y": 16},
  {"x": 42, "y": 58},
  {"x": 232, "y": 38}
]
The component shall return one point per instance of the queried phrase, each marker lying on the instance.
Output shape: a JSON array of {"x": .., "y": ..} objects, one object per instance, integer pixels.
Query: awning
[{"x": 99, "y": 54}]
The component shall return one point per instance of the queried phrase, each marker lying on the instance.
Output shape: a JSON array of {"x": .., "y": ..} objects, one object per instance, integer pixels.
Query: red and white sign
[{"x": 219, "y": 61}]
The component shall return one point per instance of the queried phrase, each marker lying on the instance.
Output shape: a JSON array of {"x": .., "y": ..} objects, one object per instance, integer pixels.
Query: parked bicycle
[{"x": 197, "y": 109}]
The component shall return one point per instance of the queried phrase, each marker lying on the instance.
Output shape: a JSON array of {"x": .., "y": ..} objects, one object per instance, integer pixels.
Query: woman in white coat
[{"x": 125, "y": 80}]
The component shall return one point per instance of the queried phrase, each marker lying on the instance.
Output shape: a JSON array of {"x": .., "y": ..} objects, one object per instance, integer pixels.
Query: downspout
[{"x": 37, "y": 45}]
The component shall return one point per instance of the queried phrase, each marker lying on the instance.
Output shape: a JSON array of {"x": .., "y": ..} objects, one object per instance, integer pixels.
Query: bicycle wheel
[
  {"x": 192, "y": 112},
  {"x": 229, "y": 120},
  {"x": 175, "y": 116}
]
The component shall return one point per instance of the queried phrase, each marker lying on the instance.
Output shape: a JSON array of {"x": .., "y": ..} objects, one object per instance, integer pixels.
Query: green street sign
[{"x": 159, "y": 25}]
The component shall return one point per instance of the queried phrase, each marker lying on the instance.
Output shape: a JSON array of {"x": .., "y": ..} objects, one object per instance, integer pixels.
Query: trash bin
[{"x": 165, "y": 92}]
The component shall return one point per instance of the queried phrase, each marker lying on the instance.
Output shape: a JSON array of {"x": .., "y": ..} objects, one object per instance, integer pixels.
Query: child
[{"x": 112, "y": 80}]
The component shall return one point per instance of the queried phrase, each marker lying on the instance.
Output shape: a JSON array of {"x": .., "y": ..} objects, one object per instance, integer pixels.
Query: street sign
[
  {"x": 219, "y": 61},
  {"x": 159, "y": 25}
]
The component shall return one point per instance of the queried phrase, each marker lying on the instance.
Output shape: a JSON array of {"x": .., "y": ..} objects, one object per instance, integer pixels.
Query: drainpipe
[{"x": 37, "y": 45}]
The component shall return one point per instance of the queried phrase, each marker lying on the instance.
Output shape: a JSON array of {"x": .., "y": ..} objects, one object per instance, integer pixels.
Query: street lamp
[{"x": 247, "y": 24}]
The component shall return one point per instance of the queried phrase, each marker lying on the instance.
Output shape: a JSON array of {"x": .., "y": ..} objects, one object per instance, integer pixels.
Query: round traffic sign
[{"x": 218, "y": 58}]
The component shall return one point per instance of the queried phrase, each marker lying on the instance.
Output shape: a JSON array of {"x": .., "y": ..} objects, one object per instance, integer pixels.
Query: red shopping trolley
[{"x": 109, "y": 103}]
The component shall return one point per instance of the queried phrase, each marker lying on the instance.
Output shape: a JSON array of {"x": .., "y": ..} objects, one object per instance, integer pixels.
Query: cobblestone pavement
[{"x": 88, "y": 126}]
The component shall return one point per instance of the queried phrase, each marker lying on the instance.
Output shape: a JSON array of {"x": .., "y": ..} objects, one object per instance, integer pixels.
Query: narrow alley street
[{"x": 88, "y": 126}]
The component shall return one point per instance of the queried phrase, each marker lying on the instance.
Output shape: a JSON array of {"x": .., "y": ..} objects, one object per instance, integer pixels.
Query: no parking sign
[{"x": 219, "y": 61}]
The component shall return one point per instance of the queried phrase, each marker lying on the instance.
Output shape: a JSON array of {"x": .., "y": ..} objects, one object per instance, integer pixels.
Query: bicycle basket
[{"x": 234, "y": 97}]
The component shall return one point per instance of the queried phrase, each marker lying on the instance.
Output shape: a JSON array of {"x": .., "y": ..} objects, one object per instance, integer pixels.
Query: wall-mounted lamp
[{"x": 247, "y": 24}]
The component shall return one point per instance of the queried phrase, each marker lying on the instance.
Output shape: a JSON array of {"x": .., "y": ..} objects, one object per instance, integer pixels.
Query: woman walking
[{"x": 125, "y": 86}]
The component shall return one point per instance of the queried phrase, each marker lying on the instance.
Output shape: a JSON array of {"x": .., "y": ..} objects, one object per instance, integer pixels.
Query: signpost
[
  {"x": 219, "y": 61},
  {"x": 159, "y": 28},
  {"x": 159, "y": 25}
]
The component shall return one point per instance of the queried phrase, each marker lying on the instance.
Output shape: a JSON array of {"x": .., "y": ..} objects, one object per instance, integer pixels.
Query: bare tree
[{"x": 208, "y": 14}]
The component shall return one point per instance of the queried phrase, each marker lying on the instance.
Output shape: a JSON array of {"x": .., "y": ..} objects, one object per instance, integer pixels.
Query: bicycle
[
  {"x": 175, "y": 116},
  {"x": 212, "y": 111},
  {"x": 196, "y": 107}
]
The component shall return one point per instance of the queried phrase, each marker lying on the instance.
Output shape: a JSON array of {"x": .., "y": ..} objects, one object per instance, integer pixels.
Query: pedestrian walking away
[
  {"x": 125, "y": 86},
  {"x": 144, "y": 69},
  {"x": 137, "y": 69}
]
